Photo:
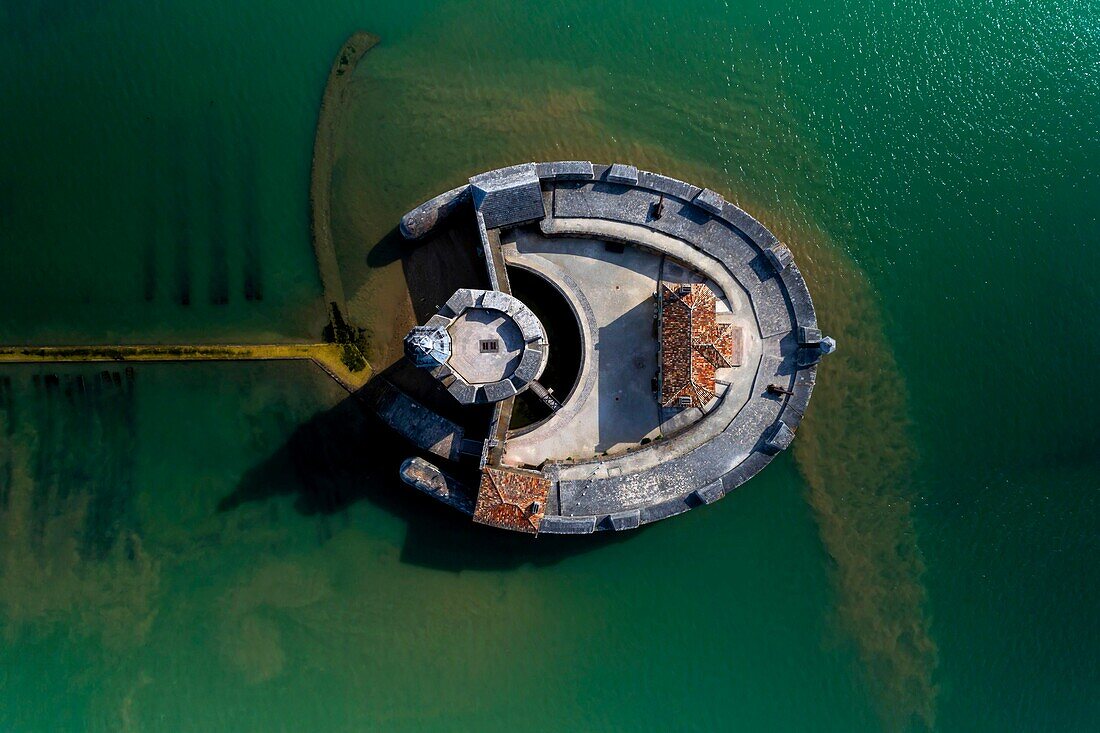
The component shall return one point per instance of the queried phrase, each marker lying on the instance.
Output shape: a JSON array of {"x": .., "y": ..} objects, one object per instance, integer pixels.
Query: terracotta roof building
[
  {"x": 693, "y": 344},
  {"x": 511, "y": 499}
]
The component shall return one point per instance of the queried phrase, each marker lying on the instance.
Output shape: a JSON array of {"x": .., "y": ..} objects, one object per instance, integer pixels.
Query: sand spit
[{"x": 320, "y": 186}]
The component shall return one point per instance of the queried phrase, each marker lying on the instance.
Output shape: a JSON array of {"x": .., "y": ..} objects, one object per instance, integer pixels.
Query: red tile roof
[
  {"x": 511, "y": 499},
  {"x": 693, "y": 344}
]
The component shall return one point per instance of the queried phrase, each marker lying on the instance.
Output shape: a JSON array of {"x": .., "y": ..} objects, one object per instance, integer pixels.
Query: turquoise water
[{"x": 204, "y": 548}]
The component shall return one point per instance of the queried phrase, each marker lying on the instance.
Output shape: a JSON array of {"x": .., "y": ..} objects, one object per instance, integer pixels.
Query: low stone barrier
[{"x": 424, "y": 218}]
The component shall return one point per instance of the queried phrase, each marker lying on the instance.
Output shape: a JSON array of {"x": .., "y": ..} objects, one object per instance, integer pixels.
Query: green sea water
[{"x": 203, "y": 547}]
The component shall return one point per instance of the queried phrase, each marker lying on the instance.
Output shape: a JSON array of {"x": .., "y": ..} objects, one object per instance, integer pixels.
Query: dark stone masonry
[{"x": 698, "y": 455}]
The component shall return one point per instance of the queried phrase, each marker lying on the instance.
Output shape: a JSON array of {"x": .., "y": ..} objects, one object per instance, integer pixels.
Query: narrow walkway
[{"x": 326, "y": 356}]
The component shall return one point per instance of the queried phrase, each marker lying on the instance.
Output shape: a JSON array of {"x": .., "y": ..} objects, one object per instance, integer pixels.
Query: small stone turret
[
  {"x": 813, "y": 346},
  {"x": 428, "y": 346}
]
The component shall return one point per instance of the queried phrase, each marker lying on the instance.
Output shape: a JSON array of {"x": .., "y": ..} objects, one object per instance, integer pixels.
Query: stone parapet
[
  {"x": 565, "y": 170},
  {"x": 709, "y": 201},
  {"x": 622, "y": 520},
  {"x": 780, "y": 256},
  {"x": 508, "y": 196},
  {"x": 424, "y": 218},
  {"x": 621, "y": 173},
  {"x": 568, "y": 525},
  {"x": 437, "y": 484}
]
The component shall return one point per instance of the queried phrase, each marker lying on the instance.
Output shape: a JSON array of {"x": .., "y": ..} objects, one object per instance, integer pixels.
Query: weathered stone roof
[{"x": 508, "y": 196}]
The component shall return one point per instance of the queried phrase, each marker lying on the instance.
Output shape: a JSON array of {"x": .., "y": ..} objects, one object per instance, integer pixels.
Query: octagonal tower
[{"x": 483, "y": 345}]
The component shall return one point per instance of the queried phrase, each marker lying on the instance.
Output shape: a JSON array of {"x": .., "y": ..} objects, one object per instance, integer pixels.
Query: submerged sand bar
[{"x": 630, "y": 251}]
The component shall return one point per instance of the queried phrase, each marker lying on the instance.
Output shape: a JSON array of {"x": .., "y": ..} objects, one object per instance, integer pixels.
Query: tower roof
[{"x": 428, "y": 346}]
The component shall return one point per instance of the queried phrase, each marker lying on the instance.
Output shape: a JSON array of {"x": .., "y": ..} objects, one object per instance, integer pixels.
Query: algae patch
[
  {"x": 856, "y": 457},
  {"x": 72, "y": 553}
]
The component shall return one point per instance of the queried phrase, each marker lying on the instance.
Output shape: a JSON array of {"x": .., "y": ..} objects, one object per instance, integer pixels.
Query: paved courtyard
[
  {"x": 612, "y": 407},
  {"x": 485, "y": 345}
]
